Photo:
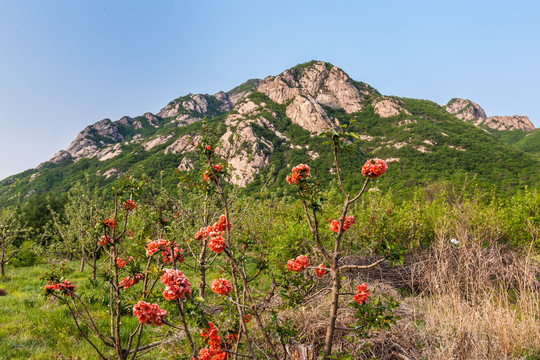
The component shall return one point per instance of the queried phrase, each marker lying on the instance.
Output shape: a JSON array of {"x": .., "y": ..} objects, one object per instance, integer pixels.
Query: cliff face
[{"x": 469, "y": 111}]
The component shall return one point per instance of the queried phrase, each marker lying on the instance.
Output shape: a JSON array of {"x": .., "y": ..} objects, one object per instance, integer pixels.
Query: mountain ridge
[{"x": 277, "y": 117}]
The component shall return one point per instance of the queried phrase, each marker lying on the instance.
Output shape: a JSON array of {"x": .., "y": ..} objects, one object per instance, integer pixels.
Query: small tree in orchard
[
  {"x": 371, "y": 315},
  {"x": 10, "y": 230},
  {"x": 129, "y": 281},
  {"x": 81, "y": 226}
]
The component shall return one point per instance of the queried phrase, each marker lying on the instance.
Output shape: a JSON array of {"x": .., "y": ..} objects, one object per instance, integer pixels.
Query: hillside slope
[{"x": 267, "y": 125}]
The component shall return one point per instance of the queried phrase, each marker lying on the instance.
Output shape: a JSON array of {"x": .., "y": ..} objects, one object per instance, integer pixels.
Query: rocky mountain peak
[
  {"x": 469, "y": 111},
  {"x": 323, "y": 82}
]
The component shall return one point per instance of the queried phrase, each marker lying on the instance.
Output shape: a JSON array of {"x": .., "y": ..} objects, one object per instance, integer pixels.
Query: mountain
[{"x": 266, "y": 125}]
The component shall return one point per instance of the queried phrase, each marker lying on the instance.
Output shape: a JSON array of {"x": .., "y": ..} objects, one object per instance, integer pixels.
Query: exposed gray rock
[
  {"x": 467, "y": 110},
  {"x": 309, "y": 114},
  {"x": 385, "y": 106},
  {"x": 59, "y": 157},
  {"x": 152, "y": 119},
  {"x": 126, "y": 120},
  {"x": 327, "y": 84},
  {"x": 472, "y": 112},
  {"x": 515, "y": 122},
  {"x": 183, "y": 144}
]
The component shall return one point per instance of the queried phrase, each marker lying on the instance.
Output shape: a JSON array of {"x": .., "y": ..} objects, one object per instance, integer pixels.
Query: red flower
[
  {"x": 209, "y": 148},
  {"x": 121, "y": 263},
  {"x": 362, "y": 294},
  {"x": 298, "y": 264},
  {"x": 111, "y": 223},
  {"x": 130, "y": 281},
  {"x": 149, "y": 313},
  {"x": 247, "y": 318},
  {"x": 320, "y": 271},
  {"x": 216, "y": 243},
  {"x": 221, "y": 286},
  {"x": 176, "y": 284},
  {"x": 129, "y": 205},
  {"x": 374, "y": 168},
  {"x": 299, "y": 172},
  {"x": 221, "y": 224},
  {"x": 334, "y": 224},
  {"x": 165, "y": 246},
  {"x": 66, "y": 287},
  {"x": 105, "y": 240}
]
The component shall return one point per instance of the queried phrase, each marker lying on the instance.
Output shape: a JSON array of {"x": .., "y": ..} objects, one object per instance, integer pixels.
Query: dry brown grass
[{"x": 469, "y": 302}]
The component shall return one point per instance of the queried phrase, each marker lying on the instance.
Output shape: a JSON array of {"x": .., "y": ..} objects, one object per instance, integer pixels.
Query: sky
[{"x": 67, "y": 64}]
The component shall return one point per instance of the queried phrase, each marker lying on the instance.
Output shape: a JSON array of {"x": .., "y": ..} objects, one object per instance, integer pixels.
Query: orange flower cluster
[
  {"x": 219, "y": 226},
  {"x": 299, "y": 172},
  {"x": 320, "y": 271},
  {"x": 208, "y": 174},
  {"x": 106, "y": 240},
  {"x": 374, "y": 168},
  {"x": 130, "y": 281},
  {"x": 176, "y": 284},
  {"x": 66, "y": 287},
  {"x": 298, "y": 264},
  {"x": 334, "y": 224},
  {"x": 164, "y": 246},
  {"x": 216, "y": 243},
  {"x": 215, "y": 232},
  {"x": 129, "y": 205},
  {"x": 149, "y": 314},
  {"x": 121, "y": 263},
  {"x": 214, "y": 351},
  {"x": 221, "y": 286},
  {"x": 111, "y": 223},
  {"x": 362, "y": 294}
]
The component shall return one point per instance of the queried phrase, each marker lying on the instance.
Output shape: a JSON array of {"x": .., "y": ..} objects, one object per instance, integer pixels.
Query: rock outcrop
[
  {"x": 467, "y": 110},
  {"x": 515, "y": 122},
  {"x": 385, "y": 106},
  {"x": 310, "y": 87}
]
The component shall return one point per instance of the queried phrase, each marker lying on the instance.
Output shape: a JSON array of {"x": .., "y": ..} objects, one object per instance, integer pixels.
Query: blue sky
[{"x": 66, "y": 64}]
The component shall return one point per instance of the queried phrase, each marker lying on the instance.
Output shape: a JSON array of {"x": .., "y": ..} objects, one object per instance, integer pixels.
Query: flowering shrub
[
  {"x": 149, "y": 314},
  {"x": 164, "y": 246},
  {"x": 176, "y": 284},
  {"x": 221, "y": 286},
  {"x": 320, "y": 271},
  {"x": 129, "y": 205},
  {"x": 66, "y": 287},
  {"x": 362, "y": 294},
  {"x": 106, "y": 240},
  {"x": 334, "y": 224},
  {"x": 121, "y": 263},
  {"x": 298, "y": 173},
  {"x": 298, "y": 264},
  {"x": 374, "y": 168},
  {"x": 214, "y": 351},
  {"x": 130, "y": 281}
]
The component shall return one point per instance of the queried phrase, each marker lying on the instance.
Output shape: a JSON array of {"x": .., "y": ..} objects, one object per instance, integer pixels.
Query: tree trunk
[
  {"x": 336, "y": 285},
  {"x": 202, "y": 283}
]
